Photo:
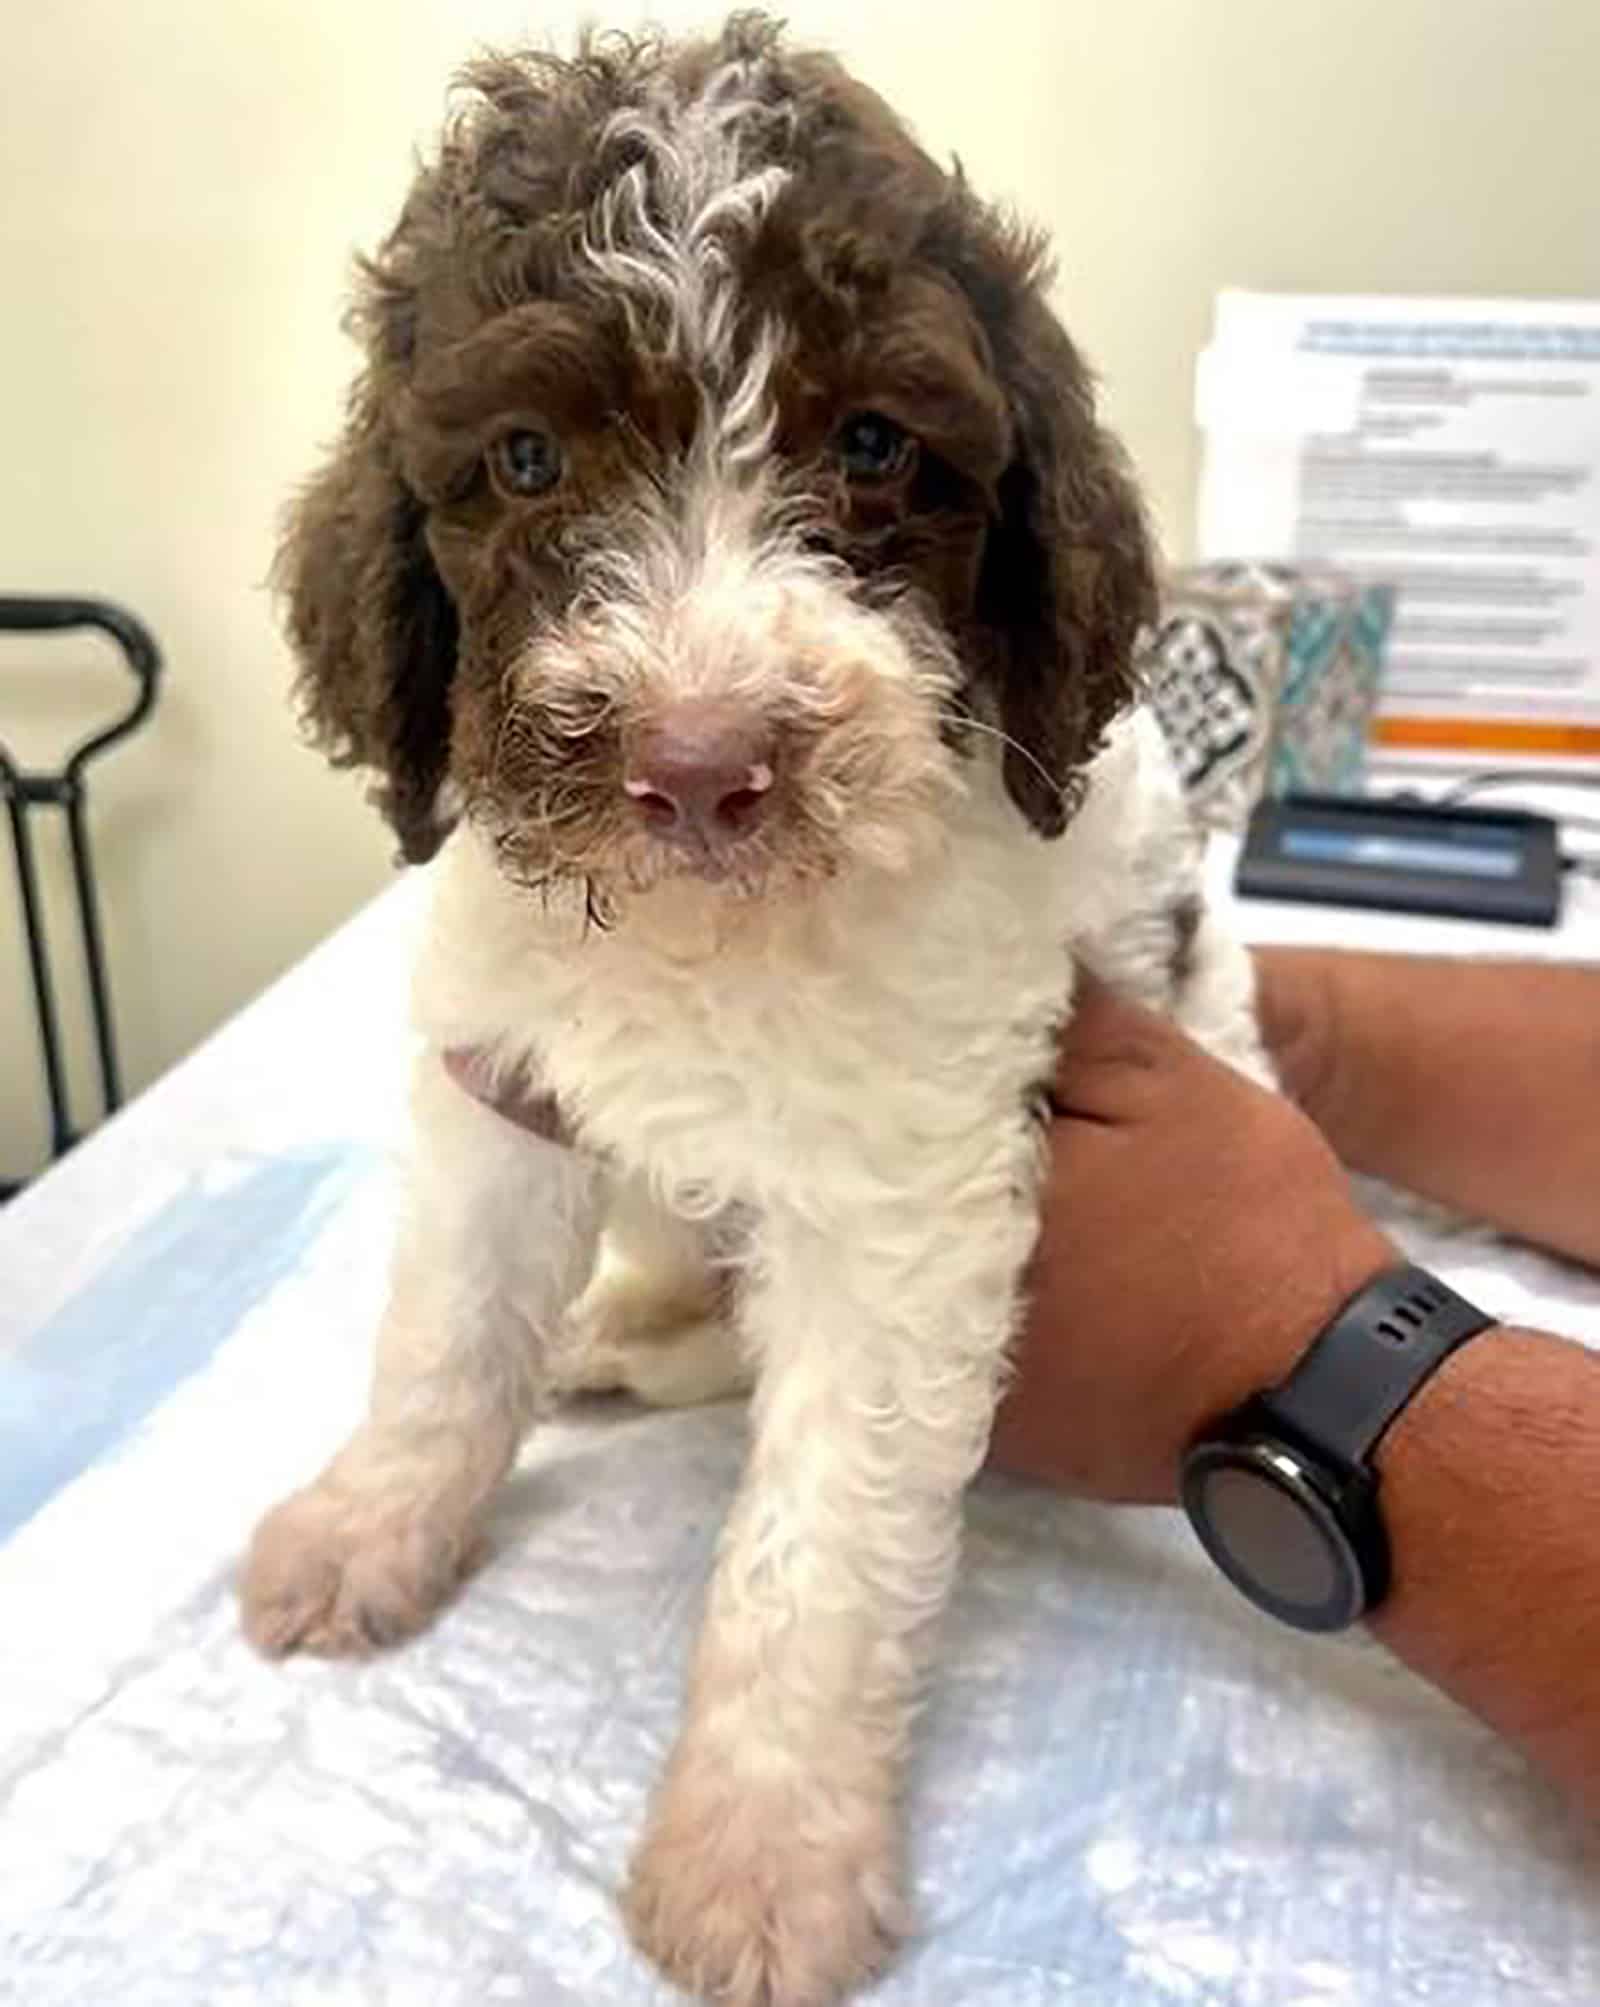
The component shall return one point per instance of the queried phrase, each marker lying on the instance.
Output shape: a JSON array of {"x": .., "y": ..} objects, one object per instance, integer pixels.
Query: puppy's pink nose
[{"x": 701, "y": 772}]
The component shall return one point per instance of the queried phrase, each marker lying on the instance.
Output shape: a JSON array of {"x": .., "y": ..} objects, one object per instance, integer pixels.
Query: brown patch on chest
[{"x": 519, "y": 1100}]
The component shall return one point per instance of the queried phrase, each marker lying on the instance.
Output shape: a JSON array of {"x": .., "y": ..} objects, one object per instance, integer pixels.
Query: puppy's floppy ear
[
  {"x": 1067, "y": 577},
  {"x": 372, "y": 625}
]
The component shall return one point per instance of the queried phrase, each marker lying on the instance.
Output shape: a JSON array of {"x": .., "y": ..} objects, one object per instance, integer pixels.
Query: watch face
[{"x": 1264, "y": 1517}]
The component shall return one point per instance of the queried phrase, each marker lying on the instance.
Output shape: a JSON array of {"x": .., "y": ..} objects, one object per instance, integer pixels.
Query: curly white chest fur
[{"x": 815, "y": 1047}]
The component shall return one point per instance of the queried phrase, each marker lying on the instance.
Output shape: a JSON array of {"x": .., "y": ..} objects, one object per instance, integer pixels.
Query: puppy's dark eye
[
  {"x": 525, "y": 462},
  {"x": 873, "y": 448}
]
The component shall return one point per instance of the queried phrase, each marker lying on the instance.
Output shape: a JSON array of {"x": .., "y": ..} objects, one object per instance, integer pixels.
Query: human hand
[{"x": 1196, "y": 1233}]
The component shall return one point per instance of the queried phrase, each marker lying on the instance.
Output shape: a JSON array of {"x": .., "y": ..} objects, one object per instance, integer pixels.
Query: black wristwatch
[{"x": 1282, "y": 1491}]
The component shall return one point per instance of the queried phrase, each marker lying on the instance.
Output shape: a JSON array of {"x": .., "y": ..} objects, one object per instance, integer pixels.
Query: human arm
[
  {"x": 1476, "y": 1084},
  {"x": 1196, "y": 1234}
]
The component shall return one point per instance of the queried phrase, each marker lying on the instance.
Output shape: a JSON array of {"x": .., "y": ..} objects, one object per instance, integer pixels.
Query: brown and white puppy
[{"x": 723, "y": 540}]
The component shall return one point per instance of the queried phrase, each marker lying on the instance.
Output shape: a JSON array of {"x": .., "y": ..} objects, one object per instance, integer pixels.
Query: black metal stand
[{"x": 67, "y": 791}]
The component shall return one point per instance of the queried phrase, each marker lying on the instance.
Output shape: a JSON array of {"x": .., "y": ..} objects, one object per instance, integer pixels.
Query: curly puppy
[{"x": 722, "y": 545}]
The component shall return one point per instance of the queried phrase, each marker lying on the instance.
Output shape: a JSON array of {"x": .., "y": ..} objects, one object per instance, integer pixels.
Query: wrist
[
  {"x": 1274, "y": 1332},
  {"x": 1527, "y": 1390},
  {"x": 1283, "y": 1491}
]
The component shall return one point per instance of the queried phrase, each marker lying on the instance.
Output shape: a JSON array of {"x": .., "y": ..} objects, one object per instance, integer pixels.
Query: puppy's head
[{"x": 718, "y": 485}]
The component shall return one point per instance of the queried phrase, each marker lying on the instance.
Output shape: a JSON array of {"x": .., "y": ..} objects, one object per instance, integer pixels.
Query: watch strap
[{"x": 1369, "y": 1361}]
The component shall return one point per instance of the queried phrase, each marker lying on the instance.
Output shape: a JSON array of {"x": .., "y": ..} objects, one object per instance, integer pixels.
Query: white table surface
[{"x": 1130, "y": 1789}]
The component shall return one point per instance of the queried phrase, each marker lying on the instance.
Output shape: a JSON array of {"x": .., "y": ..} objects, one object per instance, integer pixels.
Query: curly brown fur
[{"x": 414, "y": 589}]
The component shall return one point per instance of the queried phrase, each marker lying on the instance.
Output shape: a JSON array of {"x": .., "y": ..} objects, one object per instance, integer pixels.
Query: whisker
[{"x": 968, "y": 723}]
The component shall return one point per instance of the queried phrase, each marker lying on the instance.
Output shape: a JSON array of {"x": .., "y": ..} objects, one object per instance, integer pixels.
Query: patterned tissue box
[
  {"x": 1265, "y": 677},
  {"x": 1330, "y": 687}
]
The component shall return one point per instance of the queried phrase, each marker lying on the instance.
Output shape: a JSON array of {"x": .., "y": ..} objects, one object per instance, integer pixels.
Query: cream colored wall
[{"x": 181, "y": 182}]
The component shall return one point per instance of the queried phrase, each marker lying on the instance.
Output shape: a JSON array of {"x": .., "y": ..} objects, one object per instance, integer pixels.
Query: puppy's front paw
[
  {"x": 345, "y": 1573},
  {"x": 766, "y": 1897}
]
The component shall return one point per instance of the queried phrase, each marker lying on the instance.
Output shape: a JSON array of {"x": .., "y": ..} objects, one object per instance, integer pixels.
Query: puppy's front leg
[
  {"x": 498, "y": 1238},
  {"x": 769, "y": 1875}
]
